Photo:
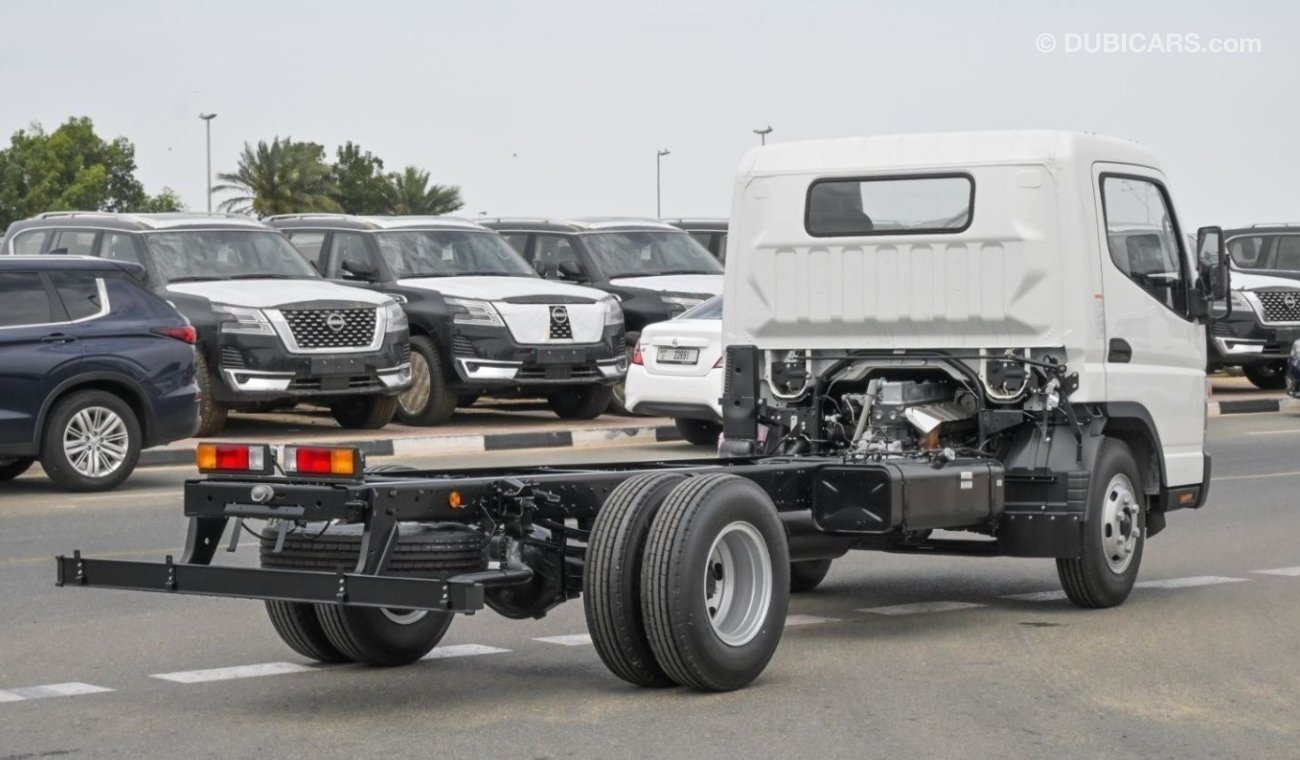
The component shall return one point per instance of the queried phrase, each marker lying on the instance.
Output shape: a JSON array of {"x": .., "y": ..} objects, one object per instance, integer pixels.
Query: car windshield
[
  {"x": 710, "y": 309},
  {"x": 181, "y": 255},
  {"x": 647, "y": 253},
  {"x": 450, "y": 253},
  {"x": 1266, "y": 252}
]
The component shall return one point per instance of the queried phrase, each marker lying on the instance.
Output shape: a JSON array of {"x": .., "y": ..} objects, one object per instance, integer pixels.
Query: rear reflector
[
  {"x": 230, "y": 458},
  {"x": 324, "y": 461},
  {"x": 184, "y": 334}
]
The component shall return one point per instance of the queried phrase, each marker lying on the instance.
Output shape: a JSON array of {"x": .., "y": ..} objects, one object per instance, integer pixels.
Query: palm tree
[
  {"x": 283, "y": 177},
  {"x": 412, "y": 194}
]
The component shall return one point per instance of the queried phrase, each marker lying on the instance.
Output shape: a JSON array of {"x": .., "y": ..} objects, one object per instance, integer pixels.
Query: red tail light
[
  {"x": 340, "y": 462},
  {"x": 233, "y": 458},
  {"x": 184, "y": 334},
  {"x": 720, "y": 363},
  {"x": 637, "y": 358}
]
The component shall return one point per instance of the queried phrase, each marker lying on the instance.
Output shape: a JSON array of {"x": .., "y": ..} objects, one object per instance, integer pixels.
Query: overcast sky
[{"x": 557, "y": 108}]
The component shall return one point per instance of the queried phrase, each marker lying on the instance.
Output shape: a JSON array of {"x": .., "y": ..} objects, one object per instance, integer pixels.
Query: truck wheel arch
[{"x": 1131, "y": 423}]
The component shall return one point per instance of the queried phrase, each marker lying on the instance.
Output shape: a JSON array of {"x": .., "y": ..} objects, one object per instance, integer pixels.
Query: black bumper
[
  {"x": 488, "y": 358},
  {"x": 257, "y": 368},
  {"x": 1242, "y": 339}
]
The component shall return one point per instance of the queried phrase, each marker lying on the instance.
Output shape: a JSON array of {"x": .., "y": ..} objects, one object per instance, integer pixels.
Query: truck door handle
[
  {"x": 59, "y": 338},
  {"x": 1120, "y": 351}
]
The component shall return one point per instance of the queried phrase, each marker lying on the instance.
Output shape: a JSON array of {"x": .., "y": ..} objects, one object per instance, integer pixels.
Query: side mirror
[
  {"x": 1214, "y": 270},
  {"x": 358, "y": 269},
  {"x": 570, "y": 270}
]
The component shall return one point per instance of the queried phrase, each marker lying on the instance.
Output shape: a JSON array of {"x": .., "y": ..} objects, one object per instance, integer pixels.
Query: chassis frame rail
[{"x": 456, "y": 594}]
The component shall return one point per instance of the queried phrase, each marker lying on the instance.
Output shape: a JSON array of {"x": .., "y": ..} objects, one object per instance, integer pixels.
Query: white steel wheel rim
[
  {"x": 738, "y": 584},
  {"x": 403, "y": 616},
  {"x": 1121, "y": 524},
  {"x": 415, "y": 398},
  {"x": 96, "y": 441}
]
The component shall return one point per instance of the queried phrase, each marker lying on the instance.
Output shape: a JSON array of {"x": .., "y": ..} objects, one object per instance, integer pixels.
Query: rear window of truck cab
[{"x": 907, "y": 205}]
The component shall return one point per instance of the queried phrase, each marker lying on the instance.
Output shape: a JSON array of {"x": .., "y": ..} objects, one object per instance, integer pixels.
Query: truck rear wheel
[
  {"x": 808, "y": 575},
  {"x": 611, "y": 578},
  {"x": 298, "y": 625},
  {"x": 374, "y": 636},
  {"x": 1115, "y": 528},
  {"x": 1267, "y": 376},
  {"x": 364, "y": 412},
  {"x": 715, "y": 582},
  {"x": 585, "y": 402}
]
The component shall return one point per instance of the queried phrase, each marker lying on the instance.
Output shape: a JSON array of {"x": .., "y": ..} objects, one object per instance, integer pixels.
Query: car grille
[
  {"x": 312, "y": 328},
  {"x": 1280, "y": 305},
  {"x": 557, "y": 372},
  {"x": 561, "y": 327},
  {"x": 355, "y": 383}
]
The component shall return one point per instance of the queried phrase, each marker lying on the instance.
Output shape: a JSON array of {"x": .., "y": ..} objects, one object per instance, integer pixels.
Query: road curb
[
  {"x": 1253, "y": 406},
  {"x": 465, "y": 444}
]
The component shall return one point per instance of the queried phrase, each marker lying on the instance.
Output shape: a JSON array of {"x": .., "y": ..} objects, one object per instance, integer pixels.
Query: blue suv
[{"x": 93, "y": 367}]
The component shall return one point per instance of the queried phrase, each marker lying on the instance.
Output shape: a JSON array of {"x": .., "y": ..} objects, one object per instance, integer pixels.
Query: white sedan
[{"x": 676, "y": 371}]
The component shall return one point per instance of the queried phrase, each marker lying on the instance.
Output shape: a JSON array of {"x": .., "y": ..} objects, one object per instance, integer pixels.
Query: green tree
[
  {"x": 412, "y": 194},
  {"x": 71, "y": 168},
  {"x": 165, "y": 201},
  {"x": 282, "y": 177},
  {"x": 359, "y": 177}
]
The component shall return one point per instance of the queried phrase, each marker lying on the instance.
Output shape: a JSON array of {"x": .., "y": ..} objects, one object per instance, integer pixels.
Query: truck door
[{"x": 1155, "y": 351}]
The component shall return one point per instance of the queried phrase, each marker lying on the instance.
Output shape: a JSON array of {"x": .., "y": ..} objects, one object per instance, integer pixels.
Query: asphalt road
[{"x": 1203, "y": 662}]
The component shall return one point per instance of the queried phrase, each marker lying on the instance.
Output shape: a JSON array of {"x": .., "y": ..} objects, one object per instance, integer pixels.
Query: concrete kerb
[{"x": 463, "y": 444}]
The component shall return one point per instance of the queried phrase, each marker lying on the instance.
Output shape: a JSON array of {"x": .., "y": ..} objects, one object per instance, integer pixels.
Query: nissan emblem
[
  {"x": 559, "y": 314},
  {"x": 336, "y": 322}
]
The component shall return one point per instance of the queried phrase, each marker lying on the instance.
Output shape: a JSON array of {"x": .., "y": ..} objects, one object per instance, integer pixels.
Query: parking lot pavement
[
  {"x": 893, "y": 655},
  {"x": 488, "y": 425}
]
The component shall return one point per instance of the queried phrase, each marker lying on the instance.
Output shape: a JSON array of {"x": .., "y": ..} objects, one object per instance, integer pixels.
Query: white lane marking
[
  {"x": 1293, "y": 431},
  {"x": 1287, "y": 474},
  {"x": 1037, "y": 596},
  {"x": 51, "y": 690},
  {"x": 920, "y": 607},
  {"x": 1292, "y": 572},
  {"x": 807, "y": 620},
  {"x": 238, "y": 671},
  {"x": 1196, "y": 580},
  {"x": 461, "y": 650},
  {"x": 571, "y": 640}
]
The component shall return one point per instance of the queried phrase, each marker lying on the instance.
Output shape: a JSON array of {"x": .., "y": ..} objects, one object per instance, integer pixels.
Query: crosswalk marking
[
  {"x": 1195, "y": 580},
  {"x": 72, "y": 689},
  {"x": 571, "y": 640},
  {"x": 231, "y": 673},
  {"x": 807, "y": 620},
  {"x": 461, "y": 650},
  {"x": 920, "y": 607}
]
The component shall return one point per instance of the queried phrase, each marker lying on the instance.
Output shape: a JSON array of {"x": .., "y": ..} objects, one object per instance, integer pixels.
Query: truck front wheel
[
  {"x": 715, "y": 582},
  {"x": 1115, "y": 533}
]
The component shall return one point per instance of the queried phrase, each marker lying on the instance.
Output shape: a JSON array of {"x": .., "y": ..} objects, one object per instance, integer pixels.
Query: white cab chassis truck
[{"x": 975, "y": 344}]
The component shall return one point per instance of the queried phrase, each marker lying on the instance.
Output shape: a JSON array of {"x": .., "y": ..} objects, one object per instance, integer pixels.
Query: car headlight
[
  {"x": 613, "y": 312},
  {"x": 242, "y": 320},
  {"x": 395, "y": 316},
  {"x": 681, "y": 303},
  {"x": 1239, "y": 301},
  {"x": 472, "y": 312}
]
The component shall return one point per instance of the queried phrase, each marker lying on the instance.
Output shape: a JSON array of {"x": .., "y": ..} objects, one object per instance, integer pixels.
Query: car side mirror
[
  {"x": 569, "y": 270},
  {"x": 358, "y": 270},
  {"x": 1214, "y": 271}
]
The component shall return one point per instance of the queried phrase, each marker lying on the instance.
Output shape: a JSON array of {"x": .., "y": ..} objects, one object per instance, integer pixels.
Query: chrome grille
[
  {"x": 561, "y": 327},
  {"x": 1280, "y": 305},
  {"x": 315, "y": 328}
]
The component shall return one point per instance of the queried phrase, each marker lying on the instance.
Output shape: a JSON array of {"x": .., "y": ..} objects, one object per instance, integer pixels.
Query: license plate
[
  {"x": 561, "y": 355},
  {"x": 337, "y": 365},
  {"x": 678, "y": 355}
]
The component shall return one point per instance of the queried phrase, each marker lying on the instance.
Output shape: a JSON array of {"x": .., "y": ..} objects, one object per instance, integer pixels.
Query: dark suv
[
  {"x": 655, "y": 270},
  {"x": 1265, "y": 320},
  {"x": 271, "y": 331},
  {"x": 93, "y": 367},
  {"x": 482, "y": 321},
  {"x": 710, "y": 233}
]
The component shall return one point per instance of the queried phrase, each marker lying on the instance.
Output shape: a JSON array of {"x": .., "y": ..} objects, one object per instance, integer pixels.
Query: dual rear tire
[{"x": 687, "y": 581}]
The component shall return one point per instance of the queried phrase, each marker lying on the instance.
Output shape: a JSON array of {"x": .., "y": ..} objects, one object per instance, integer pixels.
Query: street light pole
[
  {"x": 659, "y": 156},
  {"x": 207, "y": 124},
  {"x": 763, "y": 133}
]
